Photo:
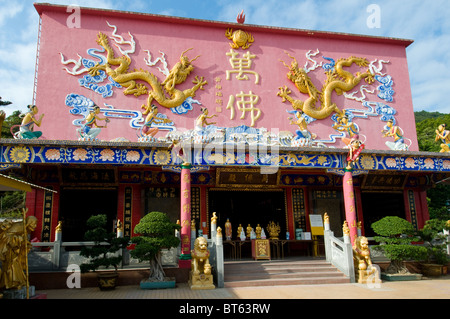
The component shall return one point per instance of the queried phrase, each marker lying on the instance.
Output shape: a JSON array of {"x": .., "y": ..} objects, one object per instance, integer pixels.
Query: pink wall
[{"x": 172, "y": 36}]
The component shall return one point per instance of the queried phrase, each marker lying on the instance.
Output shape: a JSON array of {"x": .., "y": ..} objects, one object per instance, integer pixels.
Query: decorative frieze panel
[{"x": 130, "y": 154}]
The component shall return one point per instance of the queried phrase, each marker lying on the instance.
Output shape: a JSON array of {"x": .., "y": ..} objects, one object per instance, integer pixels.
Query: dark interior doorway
[
  {"x": 379, "y": 205},
  {"x": 77, "y": 205},
  {"x": 248, "y": 207}
]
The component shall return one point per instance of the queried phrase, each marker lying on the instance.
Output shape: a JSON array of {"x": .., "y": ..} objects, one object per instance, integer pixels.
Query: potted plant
[
  {"x": 102, "y": 253},
  {"x": 395, "y": 238},
  {"x": 156, "y": 232},
  {"x": 434, "y": 241}
]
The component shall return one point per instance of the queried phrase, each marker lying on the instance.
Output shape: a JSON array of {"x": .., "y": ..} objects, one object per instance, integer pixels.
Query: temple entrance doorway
[
  {"x": 77, "y": 205},
  {"x": 248, "y": 207},
  {"x": 377, "y": 205},
  {"x": 332, "y": 203}
]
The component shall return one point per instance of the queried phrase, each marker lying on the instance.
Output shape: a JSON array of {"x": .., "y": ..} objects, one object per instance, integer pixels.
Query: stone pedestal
[
  {"x": 201, "y": 282},
  {"x": 19, "y": 293}
]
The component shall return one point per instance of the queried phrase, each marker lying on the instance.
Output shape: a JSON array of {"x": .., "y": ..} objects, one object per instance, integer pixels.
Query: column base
[{"x": 184, "y": 263}]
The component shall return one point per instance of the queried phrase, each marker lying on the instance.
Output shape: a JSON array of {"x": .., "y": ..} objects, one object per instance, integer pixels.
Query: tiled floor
[{"x": 438, "y": 288}]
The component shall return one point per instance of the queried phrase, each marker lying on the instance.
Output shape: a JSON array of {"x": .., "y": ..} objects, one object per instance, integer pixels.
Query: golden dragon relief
[
  {"x": 338, "y": 81},
  {"x": 164, "y": 93}
]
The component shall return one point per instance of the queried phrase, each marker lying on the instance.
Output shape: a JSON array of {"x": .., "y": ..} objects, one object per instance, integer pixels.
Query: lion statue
[
  {"x": 200, "y": 257},
  {"x": 200, "y": 276},
  {"x": 364, "y": 269}
]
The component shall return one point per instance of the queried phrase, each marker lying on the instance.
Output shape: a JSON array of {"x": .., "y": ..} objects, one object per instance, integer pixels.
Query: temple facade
[{"x": 262, "y": 118}]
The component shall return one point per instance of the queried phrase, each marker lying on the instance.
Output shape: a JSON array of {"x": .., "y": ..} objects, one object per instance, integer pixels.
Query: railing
[
  {"x": 215, "y": 245},
  {"x": 57, "y": 256},
  {"x": 339, "y": 253}
]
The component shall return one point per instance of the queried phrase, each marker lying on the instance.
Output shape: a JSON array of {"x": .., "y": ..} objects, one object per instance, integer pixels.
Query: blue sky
[{"x": 424, "y": 21}]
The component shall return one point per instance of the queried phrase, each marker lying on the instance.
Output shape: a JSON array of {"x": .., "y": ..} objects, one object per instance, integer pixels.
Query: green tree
[
  {"x": 105, "y": 244},
  {"x": 426, "y": 126},
  {"x": 156, "y": 232},
  {"x": 11, "y": 204},
  {"x": 14, "y": 119},
  {"x": 395, "y": 236}
]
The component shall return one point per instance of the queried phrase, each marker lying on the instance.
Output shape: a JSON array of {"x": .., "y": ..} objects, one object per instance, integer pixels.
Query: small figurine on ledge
[
  {"x": 26, "y": 128},
  {"x": 443, "y": 135},
  {"x": 91, "y": 129},
  {"x": 149, "y": 130},
  {"x": 396, "y": 132},
  {"x": 344, "y": 124},
  {"x": 302, "y": 131},
  {"x": 356, "y": 147},
  {"x": 202, "y": 119}
]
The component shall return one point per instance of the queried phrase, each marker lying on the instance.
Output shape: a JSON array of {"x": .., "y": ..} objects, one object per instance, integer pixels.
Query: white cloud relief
[{"x": 425, "y": 22}]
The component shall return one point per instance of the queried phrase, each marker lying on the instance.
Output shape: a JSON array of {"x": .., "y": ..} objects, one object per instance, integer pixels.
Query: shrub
[{"x": 395, "y": 236}]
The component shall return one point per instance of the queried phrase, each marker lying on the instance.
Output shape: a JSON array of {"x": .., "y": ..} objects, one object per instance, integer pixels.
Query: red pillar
[
  {"x": 349, "y": 201},
  {"x": 359, "y": 210},
  {"x": 185, "y": 234}
]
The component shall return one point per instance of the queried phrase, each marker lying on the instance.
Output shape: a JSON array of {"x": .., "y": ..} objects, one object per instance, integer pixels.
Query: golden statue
[
  {"x": 214, "y": 218},
  {"x": 119, "y": 225},
  {"x": 249, "y": 231},
  {"x": 326, "y": 218},
  {"x": 239, "y": 230},
  {"x": 258, "y": 231},
  {"x": 274, "y": 230},
  {"x": 164, "y": 93},
  {"x": 241, "y": 39},
  {"x": 345, "y": 229},
  {"x": 228, "y": 229},
  {"x": 443, "y": 135},
  {"x": 58, "y": 228},
  {"x": 365, "y": 272},
  {"x": 338, "y": 81},
  {"x": 200, "y": 276},
  {"x": 14, "y": 248}
]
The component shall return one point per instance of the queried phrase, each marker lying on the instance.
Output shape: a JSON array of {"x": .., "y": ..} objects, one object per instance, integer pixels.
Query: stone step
[
  {"x": 285, "y": 272},
  {"x": 285, "y": 282},
  {"x": 280, "y": 275}
]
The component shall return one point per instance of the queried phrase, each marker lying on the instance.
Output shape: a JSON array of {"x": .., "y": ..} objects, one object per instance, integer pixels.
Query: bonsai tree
[
  {"x": 105, "y": 244},
  {"x": 156, "y": 232},
  {"x": 435, "y": 241},
  {"x": 395, "y": 236}
]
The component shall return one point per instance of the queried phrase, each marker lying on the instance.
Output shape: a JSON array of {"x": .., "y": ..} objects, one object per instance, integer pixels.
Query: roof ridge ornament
[{"x": 241, "y": 17}]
